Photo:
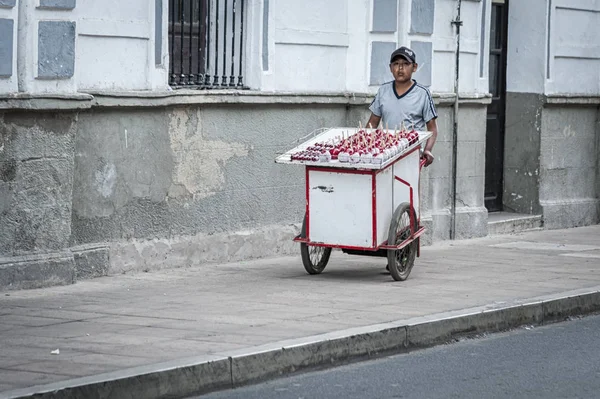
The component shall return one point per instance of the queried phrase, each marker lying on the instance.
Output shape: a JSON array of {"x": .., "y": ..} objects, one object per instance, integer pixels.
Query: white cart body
[{"x": 350, "y": 206}]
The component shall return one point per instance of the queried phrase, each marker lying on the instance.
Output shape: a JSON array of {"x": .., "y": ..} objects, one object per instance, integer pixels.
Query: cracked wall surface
[
  {"x": 36, "y": 181},
  {"x": 522, "y": 153},
  {"x": 143, "y": 188},
  {"x": 198, "y": 172},
  {"x": 170, "y": 172}
]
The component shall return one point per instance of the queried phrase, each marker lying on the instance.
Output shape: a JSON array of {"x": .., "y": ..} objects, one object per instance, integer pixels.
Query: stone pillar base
[
  {"x": 91, "y": 261},
  {"x": 471, "y": 222},
  {"x": 437, "y": 227},
  {"x": 572, "y": 213},
  {"x": 36, "y": 271},
  {"x": 50, "y": 269}
]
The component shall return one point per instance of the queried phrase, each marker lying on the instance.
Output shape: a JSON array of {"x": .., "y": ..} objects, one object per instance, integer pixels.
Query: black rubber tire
[
  {"x": 400, "y": 262},
  {"x": 314, "y": 258}
]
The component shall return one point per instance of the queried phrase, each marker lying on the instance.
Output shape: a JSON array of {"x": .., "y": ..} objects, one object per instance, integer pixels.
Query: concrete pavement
[{"x": 215, "y": 325}]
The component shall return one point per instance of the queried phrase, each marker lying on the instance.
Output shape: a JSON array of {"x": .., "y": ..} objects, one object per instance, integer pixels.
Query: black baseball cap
[{"x": 405, "y": 53}]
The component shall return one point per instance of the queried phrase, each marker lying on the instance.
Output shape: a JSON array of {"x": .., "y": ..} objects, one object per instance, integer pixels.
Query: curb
[{"x": 194, "y": 376}]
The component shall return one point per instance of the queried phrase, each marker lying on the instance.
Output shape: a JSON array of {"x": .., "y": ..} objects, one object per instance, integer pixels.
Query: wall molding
[
  {"x": 575, "y": 51},
  {"x": 311, "y": 38},
  {"x": 82, "y": 101},
  {"x": 571, "y": 99},
  {"x": 119, "y": 29},
  {"x": 446, "y": 44}
]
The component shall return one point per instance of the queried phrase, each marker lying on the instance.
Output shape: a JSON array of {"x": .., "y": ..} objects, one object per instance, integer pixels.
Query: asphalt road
[{"x": 556, "y": 361}]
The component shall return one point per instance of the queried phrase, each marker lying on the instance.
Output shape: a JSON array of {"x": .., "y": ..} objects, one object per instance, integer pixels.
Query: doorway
[{"x": 494, "y": 146}]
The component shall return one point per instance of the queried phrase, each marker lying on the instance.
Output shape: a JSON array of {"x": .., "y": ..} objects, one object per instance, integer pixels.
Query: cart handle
[{"x": 422, "y": 163}]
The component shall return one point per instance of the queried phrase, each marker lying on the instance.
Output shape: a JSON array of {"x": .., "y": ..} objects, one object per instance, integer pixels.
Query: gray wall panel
[
  {"x": 158, "y": 33},
  {"x": 56, "y": 51},
  {"x": 385, "y": 15},
  {"x": 380, "y": 61},
  {"x": 6, "y": 47},
  {"x": 421, "y": 18},
  {"x": 424, "y": 52},
  {"x": 60, "y": 4},
  {"x": 265, "y": 38}
]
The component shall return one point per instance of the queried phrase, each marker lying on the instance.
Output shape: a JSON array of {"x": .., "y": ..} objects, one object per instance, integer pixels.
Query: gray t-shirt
[{"x": 415, "y": 107}]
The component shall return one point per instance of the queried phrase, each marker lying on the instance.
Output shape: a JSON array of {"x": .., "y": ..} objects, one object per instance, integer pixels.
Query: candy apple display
[{"x": 369, "y": 146}]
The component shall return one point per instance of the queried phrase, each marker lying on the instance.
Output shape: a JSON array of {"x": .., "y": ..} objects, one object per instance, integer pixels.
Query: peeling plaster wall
[
  {"x": 182, "y": 171},
  {"x": 522, "y": 152},
  {"x": 127, "y": 188}
]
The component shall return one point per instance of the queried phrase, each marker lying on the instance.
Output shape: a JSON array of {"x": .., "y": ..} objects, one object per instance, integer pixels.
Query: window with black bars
[{"x": 206, "y": 44}]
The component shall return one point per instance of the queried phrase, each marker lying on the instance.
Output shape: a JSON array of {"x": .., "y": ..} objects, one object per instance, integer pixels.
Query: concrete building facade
[{"x": 104, "y": 168}]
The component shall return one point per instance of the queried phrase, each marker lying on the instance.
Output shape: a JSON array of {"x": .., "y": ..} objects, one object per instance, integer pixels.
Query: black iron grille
[{"x": 206, "y": 44}]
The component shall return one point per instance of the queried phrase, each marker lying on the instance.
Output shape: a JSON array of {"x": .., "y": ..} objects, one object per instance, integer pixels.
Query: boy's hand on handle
[{"x": 428, "y": 156}]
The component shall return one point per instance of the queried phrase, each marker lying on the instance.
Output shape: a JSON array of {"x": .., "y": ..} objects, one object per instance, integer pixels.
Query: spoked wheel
[
  {"x": 314, "y": 258},
  {"x": 401, "y": 261}
]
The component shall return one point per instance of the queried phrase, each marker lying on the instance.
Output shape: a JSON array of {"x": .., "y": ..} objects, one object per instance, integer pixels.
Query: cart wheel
[
  {"x": 314, "y": 259},
  {"x": 401, "y": 261}
]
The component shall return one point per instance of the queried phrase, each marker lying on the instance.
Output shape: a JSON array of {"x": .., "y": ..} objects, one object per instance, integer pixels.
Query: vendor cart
[{"x": 361, "y": 208}]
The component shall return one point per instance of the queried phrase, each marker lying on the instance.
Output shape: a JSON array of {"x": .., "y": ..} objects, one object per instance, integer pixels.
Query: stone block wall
[
  {"x": 130, "y": 185},
  {"x": 522, "y": 153},
  {"x": 36, "y": 181},
  {"x": 551, "y": 158},
  {"x": 569, "y": 155},
  {"x": 175, "y": 186},
  {"x": 148, "y": 186}
]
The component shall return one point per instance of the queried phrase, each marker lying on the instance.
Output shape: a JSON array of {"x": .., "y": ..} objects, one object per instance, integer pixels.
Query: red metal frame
[
  {"x": 410, "y": 202},
  {"x": 374, "y": 207},
  {"x": 404, "y": 243},
  {"x": 307, "y": 215},
  {"x": 421, "y": 164},
  {"x": 373, "y": 172}
]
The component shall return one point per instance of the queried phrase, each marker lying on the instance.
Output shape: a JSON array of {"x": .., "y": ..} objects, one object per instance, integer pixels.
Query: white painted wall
[
  {"x": 317, "y": 46},
  {"x": 469, "y": 46},
  {"x": 444, "y": 46},
  {"x": 114, "y": 47},
  {"x": 310, "y": 46},
  {"x": 27, "y": 43},
  {"x": 358, "y": 52},
  {"x": 311, "y": 41},
  {"x": 314, "y": 46},
  {"x": 526, "y": 57},
  {"x": 571, "y": 35},
  {"x": 253, "y": 74},
  {"x": 575, "y": 51}
]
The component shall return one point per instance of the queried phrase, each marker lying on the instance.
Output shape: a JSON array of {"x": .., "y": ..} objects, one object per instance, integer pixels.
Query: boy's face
[{"x": 402, "y": 69}]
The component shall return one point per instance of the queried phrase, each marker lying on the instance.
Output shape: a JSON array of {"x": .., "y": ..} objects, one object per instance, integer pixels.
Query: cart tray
[{"x": 330, "y": 134}]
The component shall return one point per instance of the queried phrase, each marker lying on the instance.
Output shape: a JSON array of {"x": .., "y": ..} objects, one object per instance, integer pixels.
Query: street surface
[
  {"x": 116, "y": 323},
  {"x": 556, "y": 361}
]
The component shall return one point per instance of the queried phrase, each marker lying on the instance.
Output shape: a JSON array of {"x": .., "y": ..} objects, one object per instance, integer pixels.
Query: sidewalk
[{"x": 117, "y": 323}]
